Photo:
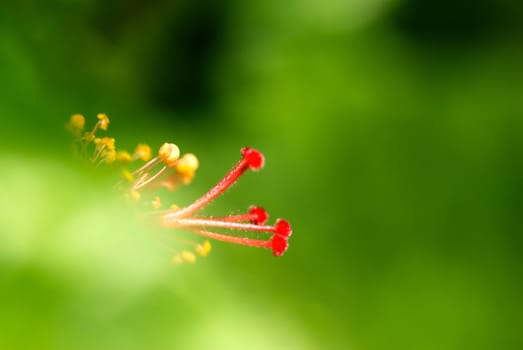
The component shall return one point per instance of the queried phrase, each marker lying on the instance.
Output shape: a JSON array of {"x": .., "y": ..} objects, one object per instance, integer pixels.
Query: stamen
[
  {"x": 252, "y": 159},
  {"x": 145, "y": 182},
  {"x": 187, "y": 166},
  {"x": 279, "y": 245},
  {"x": 189, "y": 222},
  {"x": 170, "y": 183},
  {"x": 169, "y": 154},
  {"x": 184, "y": 256},
  {"x": 156, "y": 202},
  {"x": 76, "y": 124},
  {"x": 278, "y": 242},
  {"x": 259, "y": 216},
  {"x": 256, "y": 215},
  {"x": 127, "y": 176},
  {"x": 142, "y": 152},
  {"x": 103, "y": 121},
  {"x": 234, "y": 239},
  {"x": 147, "y": 166},
  {"x": 123, "y": 156},
  {"x": 204, "y": 248},
  {"x": 168, "y": 170},
  {"x": 134, "y": 195},
  {"x": 283, "y": 228}
]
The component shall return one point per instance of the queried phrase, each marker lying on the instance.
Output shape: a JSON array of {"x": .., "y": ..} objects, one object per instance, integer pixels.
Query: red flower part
[
  {"x": 253, "y": 157},
  {"x": 234, "y": 239},
  {"x": 279, "y": 245},
  {"x": 256, "y": 217},
  {"x": 204, "y": 222},
  {"x": 283, "y": 228}
]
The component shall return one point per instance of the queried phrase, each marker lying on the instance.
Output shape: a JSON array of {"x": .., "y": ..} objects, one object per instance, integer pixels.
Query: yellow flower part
[
  {"x": 123, "y": 156},
  {"x": 105, "y": 149},
  {"x": 187, "y": 166},
  {"x": 184, "y": 257},
  {"x": 89, "y": 136},
  {"x": 134, "y": 195},
  {"x": 167, "y": 170},
  {"x": 103, "y": 121},
  {"x": 108, "y": 142},
  {"x": 127, "y": 175},
  {"x": 156, "y": 203},
  {"x": 169, "y": 154},
  {"x": 76, "y": 123},
  {"x": 203, "y": 249},
  {"x": 188, "y": 257},
  {"x": 110, "y": 156},
  {"x": 142, "y": 152}
]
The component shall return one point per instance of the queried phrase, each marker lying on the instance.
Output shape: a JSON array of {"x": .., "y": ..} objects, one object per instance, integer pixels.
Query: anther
[
  {"x": 76, "y": 123},
  {"x": 252, "y": 159},
  {"x": 156, "y": 202},
  {"x": 142, "y": 152},
  {"x": 187, "y": 166},
  {"x": 203, "y": 249},
  {"x": 123, "y": 156},
  {"x": 188, "y": 256},
  {"x": 169, "y": 154},
  {"x": 103, "y": 121}
]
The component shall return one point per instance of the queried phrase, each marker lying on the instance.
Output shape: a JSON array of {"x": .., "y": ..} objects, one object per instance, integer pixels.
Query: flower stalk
[{"x": 168, "y": 170}]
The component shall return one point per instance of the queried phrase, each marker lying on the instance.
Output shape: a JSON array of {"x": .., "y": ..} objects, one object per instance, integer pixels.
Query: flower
[
  {"x": 187, "y": 166},
  {"x": 169, "y": 154},
  {"x": 254, "y": 220},
  {"x": 76, "y": 124},
  {"x": 103, "y": 121},
  {"x": 142, "y": 152},
  {"x": 168, "y": 170}
]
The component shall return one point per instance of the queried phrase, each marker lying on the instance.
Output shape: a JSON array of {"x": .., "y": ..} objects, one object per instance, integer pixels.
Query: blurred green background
[{"x": 393, "y": 132}]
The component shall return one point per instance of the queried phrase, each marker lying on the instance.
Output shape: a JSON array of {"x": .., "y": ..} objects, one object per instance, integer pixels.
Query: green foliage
[{"x": 397, "y": 157}]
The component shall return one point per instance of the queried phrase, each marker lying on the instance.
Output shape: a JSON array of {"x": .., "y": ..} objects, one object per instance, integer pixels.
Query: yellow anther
[
  {"x": 108, "y": 142},
  {"x": 105, "y": 148},
  {"x": 169, "y": 154},
  {"x": 174, "y": 207},
  {"x": 76, "y": 123},
  {"x": 203, "y": 249},
  {"x": 142, "y": 152},
  {"x": 127, "y": 175},
  {"x": 187, "y": 164},
  {"x": 89, "y": 136},
  {"x": 110, "y": 156},
  {"x": 156, "y": 203},
  {"x": 188, "y": 257},
  {"x": 103, "y": 121},
  {"x": 123, "y": 156},
  {"x": 177, "y": 259},
  {"x": 134, "y": 195}
]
